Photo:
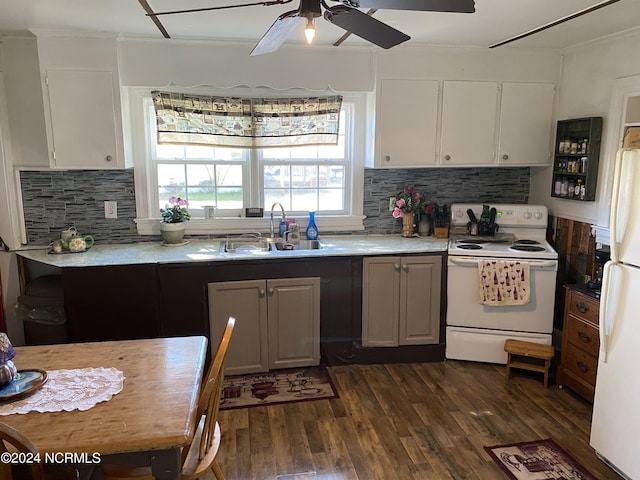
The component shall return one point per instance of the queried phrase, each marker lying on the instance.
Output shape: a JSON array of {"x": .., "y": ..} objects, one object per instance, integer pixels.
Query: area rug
[
  {"x": 277, "y": 386},
  {"x": 537, "y": 460}
]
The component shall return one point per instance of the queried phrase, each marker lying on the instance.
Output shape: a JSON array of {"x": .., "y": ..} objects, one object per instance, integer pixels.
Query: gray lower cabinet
[
  {"x": 277, "y": 323},
  {"x": 401, "y": 300}
]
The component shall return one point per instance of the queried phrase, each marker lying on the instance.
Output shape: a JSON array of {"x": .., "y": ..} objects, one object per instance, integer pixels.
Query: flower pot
[
  {"x": 172, "y": 233},
  {"x": 408, "y": 224}
]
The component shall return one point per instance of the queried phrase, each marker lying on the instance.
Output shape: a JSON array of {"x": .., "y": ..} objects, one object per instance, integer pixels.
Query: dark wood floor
[{"x": 405, "y": 421}]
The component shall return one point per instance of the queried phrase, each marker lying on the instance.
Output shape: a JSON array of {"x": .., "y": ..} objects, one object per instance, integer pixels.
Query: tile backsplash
[{"x": 54, "y": 200}]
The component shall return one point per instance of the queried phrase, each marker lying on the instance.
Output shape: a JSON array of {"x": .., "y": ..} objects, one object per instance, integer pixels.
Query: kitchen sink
[
  {"x": 302, "y": 245},
  {"x": 245, "y": 245}
]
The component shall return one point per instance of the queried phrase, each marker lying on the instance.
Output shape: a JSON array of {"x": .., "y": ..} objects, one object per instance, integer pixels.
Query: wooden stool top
[{"x": 529, "y": 349}]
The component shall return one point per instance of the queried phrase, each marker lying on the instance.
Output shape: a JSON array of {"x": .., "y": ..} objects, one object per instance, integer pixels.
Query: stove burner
[
  {"x": 472, "y": 241},
  {"x": 469, "y": 246},
  {"x": 527, "y": 248},
  {"x": 527, "y": 242}
]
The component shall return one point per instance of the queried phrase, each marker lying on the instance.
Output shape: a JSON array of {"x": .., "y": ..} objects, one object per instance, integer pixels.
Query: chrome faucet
[{"x": 283, "y": 219}]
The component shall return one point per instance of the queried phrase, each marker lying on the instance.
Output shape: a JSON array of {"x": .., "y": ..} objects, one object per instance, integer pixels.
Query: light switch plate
[{"x": 110, "y": 209}]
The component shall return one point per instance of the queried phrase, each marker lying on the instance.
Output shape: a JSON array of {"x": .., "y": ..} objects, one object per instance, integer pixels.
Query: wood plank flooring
[{"x": 405, "y": 421}]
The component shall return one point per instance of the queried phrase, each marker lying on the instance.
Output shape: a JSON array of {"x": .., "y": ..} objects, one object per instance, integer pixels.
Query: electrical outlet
[
  {"x": 110, "y": 209},
  {"x": 392, "y": 203}
]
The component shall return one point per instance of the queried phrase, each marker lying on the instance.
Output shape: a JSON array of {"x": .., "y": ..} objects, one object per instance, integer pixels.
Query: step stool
[{"x": 530, "y": 350}]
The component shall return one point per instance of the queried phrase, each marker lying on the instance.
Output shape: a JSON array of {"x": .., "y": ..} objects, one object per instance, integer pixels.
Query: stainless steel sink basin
[
  {"x": 245, "y": 245},
  {"x": 302, "y": 245}
]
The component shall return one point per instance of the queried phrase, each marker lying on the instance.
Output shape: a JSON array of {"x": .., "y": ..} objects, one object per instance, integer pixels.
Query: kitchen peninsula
[{"x": 146, "y": 290}]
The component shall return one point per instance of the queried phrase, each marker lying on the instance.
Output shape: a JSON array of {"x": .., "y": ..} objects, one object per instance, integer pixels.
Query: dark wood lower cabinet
[{"x": 111, "y": 303}]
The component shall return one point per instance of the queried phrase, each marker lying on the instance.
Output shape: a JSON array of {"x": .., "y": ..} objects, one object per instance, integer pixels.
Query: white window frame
[{"x": 148, "y": 217}]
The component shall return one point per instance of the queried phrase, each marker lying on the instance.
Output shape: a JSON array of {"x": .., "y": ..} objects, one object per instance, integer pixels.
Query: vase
[
  {"x": 312, "y": 230},
  {"x": 172, "y": 233},
  {"x": 424, "y": 225},
  {"x": 408, "y": 224}
]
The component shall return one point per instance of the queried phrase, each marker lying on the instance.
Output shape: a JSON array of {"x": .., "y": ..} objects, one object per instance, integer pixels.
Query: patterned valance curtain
[{"x": 246, "y": 122}]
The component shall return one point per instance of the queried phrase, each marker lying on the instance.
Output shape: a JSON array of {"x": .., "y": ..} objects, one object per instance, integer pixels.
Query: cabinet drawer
[
  {"x": 580, "y": 364},
  {"x": 584, "y": 307},
  {"x": 582, "y": 335}
]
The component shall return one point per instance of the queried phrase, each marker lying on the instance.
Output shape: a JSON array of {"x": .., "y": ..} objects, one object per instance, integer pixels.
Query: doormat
[
  {"x": 278, "y": 386},
  {"x": 537, "y": 460}
]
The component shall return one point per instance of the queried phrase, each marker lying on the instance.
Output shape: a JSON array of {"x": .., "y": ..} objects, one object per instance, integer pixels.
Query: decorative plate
[{"x": 25, "y": 383}]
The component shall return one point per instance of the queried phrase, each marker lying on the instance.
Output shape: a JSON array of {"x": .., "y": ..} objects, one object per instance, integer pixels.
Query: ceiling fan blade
[
  {"x": 457, "y": 6},
  {"x": 346, "y": 35},
  {"x": 277, "y": 33},
  {"x": 364, "y": 26}
]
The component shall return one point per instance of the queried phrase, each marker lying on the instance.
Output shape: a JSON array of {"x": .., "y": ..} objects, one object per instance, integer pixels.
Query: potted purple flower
[{"x": 174, "y": 216}]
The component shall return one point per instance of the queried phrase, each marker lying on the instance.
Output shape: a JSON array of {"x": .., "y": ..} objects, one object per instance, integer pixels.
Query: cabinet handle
[
  {"x": 405, "y": 268},
  {"x": 387, "y": 158},
  {"x": 581, "y": 307},
  {"x": 505, "y": 157},
  {"x": 261, "y": 292},
  {"x": 582, "y": 366},
  {"x": 397, "y": 267},
  {"x": 447, "y": 157},
  {"x": 108, "y": 158},
  {"x": 584, "y": 337},
  {"x": 271, "y": 292}
]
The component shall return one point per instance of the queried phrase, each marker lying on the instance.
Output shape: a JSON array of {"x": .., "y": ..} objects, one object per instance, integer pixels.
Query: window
[{"x": 301, "y": 178}]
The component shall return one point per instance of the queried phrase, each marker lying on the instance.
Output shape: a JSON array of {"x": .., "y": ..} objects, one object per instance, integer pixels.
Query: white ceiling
[{"x": 494, "y": 21}]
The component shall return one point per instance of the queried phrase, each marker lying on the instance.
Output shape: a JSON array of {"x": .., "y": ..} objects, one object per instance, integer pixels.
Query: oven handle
[{"x": 532, "y": 263}]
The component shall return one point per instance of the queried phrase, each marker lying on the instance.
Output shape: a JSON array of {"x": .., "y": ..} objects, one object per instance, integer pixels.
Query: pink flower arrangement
[{"x": 411, "y": 201}]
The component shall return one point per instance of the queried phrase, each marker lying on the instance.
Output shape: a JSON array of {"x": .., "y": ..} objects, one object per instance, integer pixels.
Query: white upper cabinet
[
  {"x": 83, "y": 120},
  {"x": 525, "y": 124},
  {"x": 407, "y": 121},
  {"x": 82, "y": 103},
  {"x": 469, "y": 112}
]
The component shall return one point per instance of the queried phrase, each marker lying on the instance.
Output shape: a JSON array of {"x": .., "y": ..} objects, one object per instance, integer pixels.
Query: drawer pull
[
  {"x": 584, "y": 337},
  {"x": 581, "y": 307},
  {"x": 582, "y": 366}
]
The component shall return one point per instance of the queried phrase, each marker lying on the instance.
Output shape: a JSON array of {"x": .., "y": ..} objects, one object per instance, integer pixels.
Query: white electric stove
[{"x": 476, "y": 331}]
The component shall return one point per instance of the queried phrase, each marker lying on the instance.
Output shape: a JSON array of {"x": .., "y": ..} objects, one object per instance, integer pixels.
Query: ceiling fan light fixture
[{"x": 310, "y": 30}]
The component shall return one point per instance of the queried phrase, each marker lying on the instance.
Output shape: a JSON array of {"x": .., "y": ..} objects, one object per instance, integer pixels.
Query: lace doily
[{"x": 67, "y": 390}]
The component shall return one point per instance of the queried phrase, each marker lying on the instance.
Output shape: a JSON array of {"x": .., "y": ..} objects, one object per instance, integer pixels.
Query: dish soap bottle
[{"x": 312, "y": 230}]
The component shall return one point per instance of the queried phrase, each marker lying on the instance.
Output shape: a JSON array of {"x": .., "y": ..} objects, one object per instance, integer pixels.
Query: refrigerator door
[
  {"x": 625, "y": 221},
  {"x": 615, "y": 426}
]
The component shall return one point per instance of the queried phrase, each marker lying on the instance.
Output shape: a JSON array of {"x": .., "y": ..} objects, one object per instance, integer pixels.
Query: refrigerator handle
[
  {"x": 615, "y": 200},
  {"x": 606, "y": 315}
]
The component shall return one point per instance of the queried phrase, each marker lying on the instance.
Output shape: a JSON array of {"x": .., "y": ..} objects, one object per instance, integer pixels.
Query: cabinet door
[
  {"x": 85, "y": 131},
  {"x": 469, "y": 113},
  {"x": 294, "y": 322},
  {"x": 247, "y": 302},
  {"x": 525, "y": 123},
  {"x": 407, "y": 123},
  {"x": 420, "y": 300},
  {"x": 380, "y": 301}
]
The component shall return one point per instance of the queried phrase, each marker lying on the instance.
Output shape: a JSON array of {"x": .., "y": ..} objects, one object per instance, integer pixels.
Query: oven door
[{"x": 465, "y": 310}]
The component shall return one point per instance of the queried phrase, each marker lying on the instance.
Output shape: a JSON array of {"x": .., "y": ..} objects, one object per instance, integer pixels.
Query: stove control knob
[
  {"x": 527, "y": 215},
  {"x": 538, "y": 215}
]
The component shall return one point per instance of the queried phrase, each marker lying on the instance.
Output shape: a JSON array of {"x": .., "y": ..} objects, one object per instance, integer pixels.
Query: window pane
[
  {"x": 171, "y": 175},
  {"x": 171, "y": 191},
  {"x": 198, "y": 175},
  {"x": 273, "y": 195},
  {"x": 331, "y": 199},
  {"x": 201, "y": 196},
  {"x": 169, "y": 151},
  {"x": 277, "y": 176},
  {"x": 229, "y": 198},
  {"x": 304, "y": 176},
  {"x": 331, "y": 176},
  {"x": 193, "y": 152},
  {"x": 229, "y": 175},
  {"x": 305, "y": 199}
]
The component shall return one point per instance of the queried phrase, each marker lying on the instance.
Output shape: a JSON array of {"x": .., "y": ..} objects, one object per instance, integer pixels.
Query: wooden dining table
[{"x": 147, "y": 423}]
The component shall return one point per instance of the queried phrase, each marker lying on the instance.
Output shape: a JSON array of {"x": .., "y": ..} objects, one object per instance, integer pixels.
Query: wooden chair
[
  {"x": 199, "y": 457},
  {"x": 33, "y": 471}
]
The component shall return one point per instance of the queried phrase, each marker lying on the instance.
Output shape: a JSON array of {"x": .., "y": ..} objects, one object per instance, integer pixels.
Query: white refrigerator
[{"x": 615, "y": 428}]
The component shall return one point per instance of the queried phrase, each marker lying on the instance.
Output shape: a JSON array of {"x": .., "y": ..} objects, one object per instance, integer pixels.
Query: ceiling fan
[{"x": 344, "y": 15}]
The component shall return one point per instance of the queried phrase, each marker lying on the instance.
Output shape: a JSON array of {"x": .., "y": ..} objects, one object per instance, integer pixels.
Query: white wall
[{"x": 589, "y": 73}]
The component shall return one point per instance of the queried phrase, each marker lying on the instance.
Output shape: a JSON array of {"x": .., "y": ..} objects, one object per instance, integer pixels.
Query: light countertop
[{"x": 209, "y": 250}]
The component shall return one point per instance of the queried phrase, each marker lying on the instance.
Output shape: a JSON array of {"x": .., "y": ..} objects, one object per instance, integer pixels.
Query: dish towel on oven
[{"x": 504, "y": 282}]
